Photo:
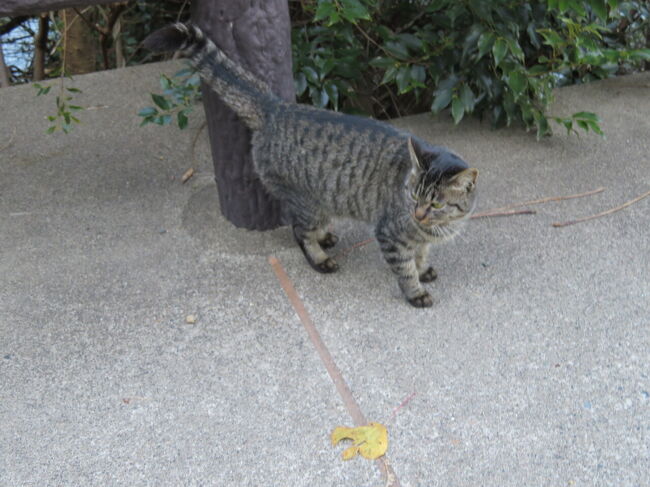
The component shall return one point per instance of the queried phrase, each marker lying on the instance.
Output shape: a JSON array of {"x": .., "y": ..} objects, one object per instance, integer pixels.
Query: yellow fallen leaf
[{"x": 371, "y": 441}]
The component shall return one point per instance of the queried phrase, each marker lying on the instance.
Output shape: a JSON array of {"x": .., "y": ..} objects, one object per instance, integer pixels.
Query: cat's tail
[{"x": 242, "y": 91}]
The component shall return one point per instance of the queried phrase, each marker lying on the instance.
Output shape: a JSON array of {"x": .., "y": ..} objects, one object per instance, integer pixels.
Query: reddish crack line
[{"x": 332, "y": 369}]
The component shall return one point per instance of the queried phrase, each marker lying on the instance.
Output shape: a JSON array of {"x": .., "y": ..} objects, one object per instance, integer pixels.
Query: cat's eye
[
  {"x": 414, "y": 196},
  {"x": 438, "y": 204}
]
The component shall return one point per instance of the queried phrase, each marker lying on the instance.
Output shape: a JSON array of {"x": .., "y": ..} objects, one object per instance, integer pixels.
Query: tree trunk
[
  {"x": 257, "y": 34},
  {"x": 40, "y": 47},
  {"x": 4, "y": 71},
  {"x": 79, "y": 44}
]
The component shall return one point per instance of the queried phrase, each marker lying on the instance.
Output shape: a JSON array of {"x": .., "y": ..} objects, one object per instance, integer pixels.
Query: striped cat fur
[{"x": 325, "y": 164}]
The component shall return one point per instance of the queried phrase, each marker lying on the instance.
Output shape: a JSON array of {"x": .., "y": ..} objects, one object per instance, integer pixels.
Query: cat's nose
[{"x": 421, "y": 212}]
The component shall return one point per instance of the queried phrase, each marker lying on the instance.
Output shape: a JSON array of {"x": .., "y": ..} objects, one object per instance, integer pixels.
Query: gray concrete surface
[{"x": 532, "y": 368}]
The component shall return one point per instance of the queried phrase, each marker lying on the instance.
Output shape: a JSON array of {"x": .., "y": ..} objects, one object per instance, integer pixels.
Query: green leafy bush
[
  {"x": 497, "y": 59},
  {"x": 177, "y": 100}
]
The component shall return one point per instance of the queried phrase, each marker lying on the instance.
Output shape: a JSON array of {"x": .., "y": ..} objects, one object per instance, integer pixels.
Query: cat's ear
[
  {"x": 415, "y": 154},
  {"x": 464, "y": 181}
]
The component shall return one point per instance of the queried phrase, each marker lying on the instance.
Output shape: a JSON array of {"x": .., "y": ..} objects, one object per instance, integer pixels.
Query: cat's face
[{"x": 441, "y": 187}]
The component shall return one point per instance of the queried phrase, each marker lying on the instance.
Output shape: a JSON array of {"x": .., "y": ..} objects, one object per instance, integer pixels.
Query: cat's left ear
[
  {"x": 464, "y": 181},
  {"x": 415, "y": 154}
]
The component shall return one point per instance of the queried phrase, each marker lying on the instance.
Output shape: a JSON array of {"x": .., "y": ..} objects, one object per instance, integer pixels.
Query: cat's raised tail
[{"x": 242, "y": 91}]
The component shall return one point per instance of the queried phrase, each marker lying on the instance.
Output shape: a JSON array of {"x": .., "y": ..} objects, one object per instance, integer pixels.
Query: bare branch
[
  {"x": 602, "y": 213},
  {"x": 12, "y": 24},
  {"x": 545, "y": 200}
]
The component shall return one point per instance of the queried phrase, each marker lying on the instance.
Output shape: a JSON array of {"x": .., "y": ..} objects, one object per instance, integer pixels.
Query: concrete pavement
[{"x": 532, "y": 368}]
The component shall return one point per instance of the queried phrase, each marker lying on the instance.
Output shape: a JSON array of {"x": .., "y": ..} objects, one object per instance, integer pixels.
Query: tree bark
[
  {"x": 257, "y": 34},
  {"x": 12, "y": 8},
  {"x": 4, "y": 71},
  {"x": 40, "y": 47},
  {"x": 79, "y": 44}
]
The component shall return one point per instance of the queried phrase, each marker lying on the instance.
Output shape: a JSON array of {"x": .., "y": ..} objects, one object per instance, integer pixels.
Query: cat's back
[{"x": 347, "y": 162}]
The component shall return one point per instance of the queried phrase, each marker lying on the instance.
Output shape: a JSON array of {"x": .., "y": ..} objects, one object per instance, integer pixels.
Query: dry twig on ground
[
  {"x": 602, "y": 213},
  {"x": 497, "y": 211}
]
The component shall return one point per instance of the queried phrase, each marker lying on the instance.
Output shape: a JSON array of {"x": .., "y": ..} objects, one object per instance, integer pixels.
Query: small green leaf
[
  {"x": 182, "y": 120},
  {"x": 589, "y": 116},
  {"x": 354, "y": 10},
  {"x": 402, "y": 78},
  {"x": 183, "y": 72},
  {"x": 551, "y": 38},
  {"x": 333, "y": 92},
  {"x": 160, "y": 101},
  {"x": 300, "y": 83},
  {"x": 441, "y": 100},
  {"x": 517, "y": 82},
  {"x": 165, "y": 82},
  {"x": 75, "y": 107},
  {"x": 595, "y": 127},
  {"x": 600, "y": 8},
  {"x": 397, "y": 49},
  {"x": 319, "y": 97},
  {"x": 147, "y": 112},
  {"x": 311, "y": 75},
  {"x": 418, "y": 74},
  {"x": 515, "y": 49},
  {"x": 51, "y": 129},
  {"x": 499, "y": 50},
  {"x": 390, "y": 74},
  {"x": 542, "y": 127},
  {"x": 74, "y": 90},
  {"x": 382, "y": 62},
  {"x": 485, "y": 43},
  {"x": 467, "y": 97},
  {"x": 326, "y": 10},
  {"x": 457, "y": 109}
]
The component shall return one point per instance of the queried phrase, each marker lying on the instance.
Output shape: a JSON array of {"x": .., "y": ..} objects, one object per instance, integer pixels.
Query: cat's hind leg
[
  {"x": 328, "y": 240},
  {"x": 309, "y": 230},
  {"x": 308, "y": 240}
]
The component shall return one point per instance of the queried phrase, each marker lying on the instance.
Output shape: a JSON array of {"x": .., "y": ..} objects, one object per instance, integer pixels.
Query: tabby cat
[{"x": 323, "y": 164}]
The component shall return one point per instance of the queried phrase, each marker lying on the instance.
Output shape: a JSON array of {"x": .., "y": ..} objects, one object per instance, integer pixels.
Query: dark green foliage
[
  {"x": 497, "y": 59},
  {"x": 177, "y": 100}
]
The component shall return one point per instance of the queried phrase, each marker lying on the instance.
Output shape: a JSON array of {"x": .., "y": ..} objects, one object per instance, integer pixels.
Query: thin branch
[
  {"x": 12, "y": 24},
  {"x": 180, "y": 12},
  {"x": 491, "y": 213},
  {"x": 602, "y": 213},
  {"x": 40, "y": 48},
  {"x": 542, "y": 200}
]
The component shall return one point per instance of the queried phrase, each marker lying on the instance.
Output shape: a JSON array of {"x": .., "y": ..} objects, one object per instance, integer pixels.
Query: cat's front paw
[
  {"x": 429, "y": 275},
  {"x": 328, "y": 266},
  {"x": 328, "y": 241},
  {"x": 422, "y": 301}
]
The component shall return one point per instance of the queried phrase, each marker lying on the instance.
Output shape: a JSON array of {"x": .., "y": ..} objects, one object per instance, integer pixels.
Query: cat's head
[{"x": 440, "y": 186}]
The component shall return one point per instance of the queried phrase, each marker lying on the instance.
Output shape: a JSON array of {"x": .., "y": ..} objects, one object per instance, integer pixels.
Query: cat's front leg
[
  {"x": 425, "y": 271},
  {"x": 403, "y": 264}
]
